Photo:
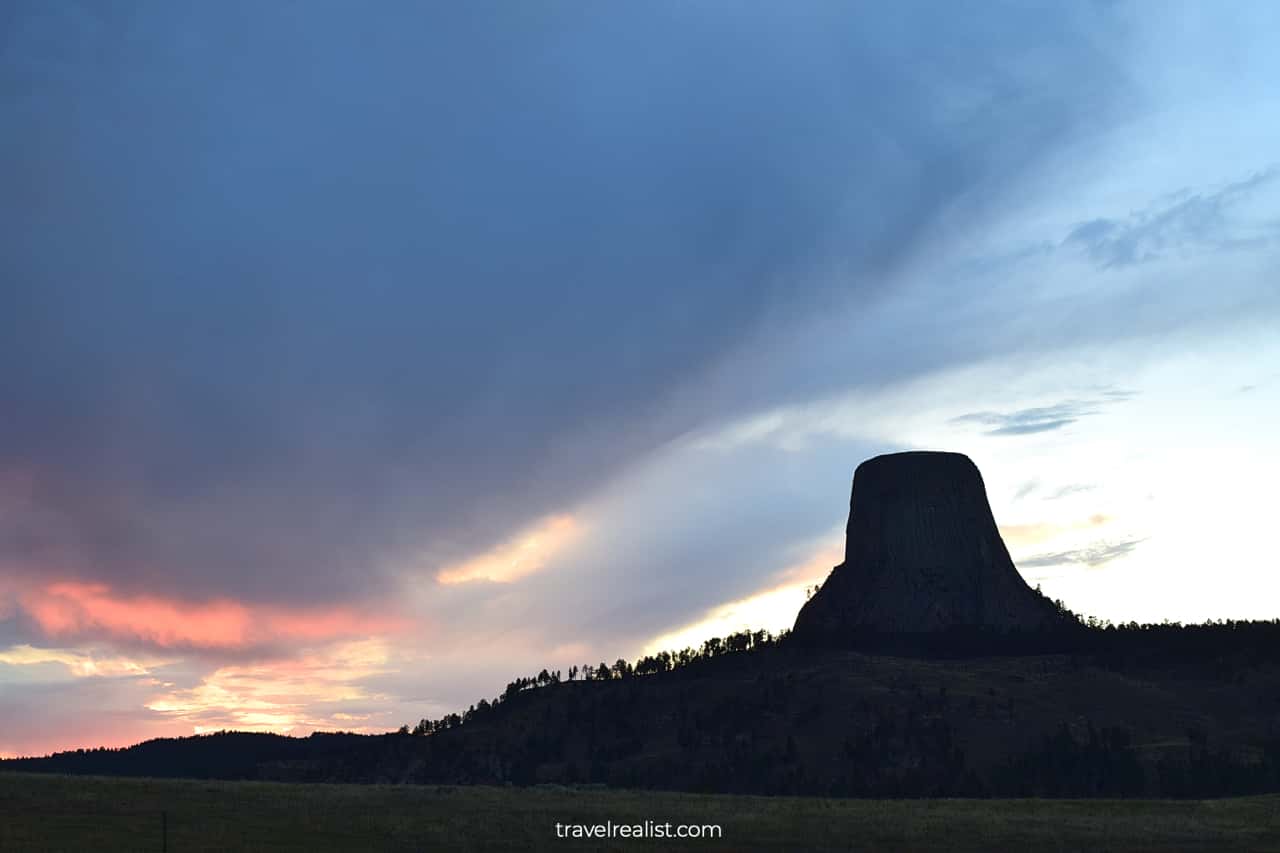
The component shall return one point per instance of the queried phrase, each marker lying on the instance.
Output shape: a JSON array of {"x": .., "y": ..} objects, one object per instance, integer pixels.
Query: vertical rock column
[{"x": 922, "y": 553}]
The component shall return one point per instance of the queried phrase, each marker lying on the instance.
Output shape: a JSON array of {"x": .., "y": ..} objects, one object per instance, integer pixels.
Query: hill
[{"x": 1156, "y": 711}]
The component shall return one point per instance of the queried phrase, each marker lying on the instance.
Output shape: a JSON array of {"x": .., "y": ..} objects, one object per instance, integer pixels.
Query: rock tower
[{"x": 922, "y": 553}]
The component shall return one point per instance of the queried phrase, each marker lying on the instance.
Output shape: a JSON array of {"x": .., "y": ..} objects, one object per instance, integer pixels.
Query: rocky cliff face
[{"x": 922, "y": 553}]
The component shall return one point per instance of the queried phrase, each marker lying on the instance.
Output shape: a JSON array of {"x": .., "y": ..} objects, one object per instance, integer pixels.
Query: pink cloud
[{"x": 73, "y": 608}]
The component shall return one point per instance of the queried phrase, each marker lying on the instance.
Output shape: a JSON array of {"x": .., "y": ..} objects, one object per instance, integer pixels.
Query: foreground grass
[{"x": 66, "y": 813}]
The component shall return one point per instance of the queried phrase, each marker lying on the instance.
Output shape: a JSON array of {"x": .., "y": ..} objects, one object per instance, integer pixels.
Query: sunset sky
[{"x": 356, "y": 359}]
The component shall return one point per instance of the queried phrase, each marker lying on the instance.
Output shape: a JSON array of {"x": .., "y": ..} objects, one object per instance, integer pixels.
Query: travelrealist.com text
[{"x": 648, "y": 829}]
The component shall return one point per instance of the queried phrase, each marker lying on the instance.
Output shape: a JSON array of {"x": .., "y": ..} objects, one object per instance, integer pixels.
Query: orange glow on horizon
[
  {"x": 292, "y": 696},
  {"x": 773, "y": 608},
  {"x": 113, "y": 733}
]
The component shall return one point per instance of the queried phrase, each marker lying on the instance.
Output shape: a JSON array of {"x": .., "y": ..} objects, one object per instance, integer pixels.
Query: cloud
[
  {"x": 1261, "y": 382},
  {"x": 1026, "y": 489},
  {"x": 1093, "y": 556},
  {"x": 521, "y": 556},
  {"x": 320, "y": 689},
  {"x": 365, "y": 298},
  {"x": 81, "y": 664},
  {"x": 1186, "y": 222},
  {"x": 1070, "y": 489},
  {"x": 72, "y": 609},
  {"x": 693, "y": 528},
  {"x": 1039, "y": 418}
]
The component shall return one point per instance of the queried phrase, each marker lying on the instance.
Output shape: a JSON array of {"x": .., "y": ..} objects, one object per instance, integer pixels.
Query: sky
[{"x": 353, "y": 365}]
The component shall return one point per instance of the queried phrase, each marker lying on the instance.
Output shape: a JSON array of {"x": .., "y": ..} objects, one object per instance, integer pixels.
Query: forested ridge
[{"x": 1096, "y": 710}]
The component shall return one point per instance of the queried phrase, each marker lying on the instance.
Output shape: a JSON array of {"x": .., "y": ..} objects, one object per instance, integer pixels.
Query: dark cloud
[
  {"x": 1040, "y": 418},
  {"x": 1185, "y": 222},
  {"x": 1093, "y": 556},
  {"x": 1031, "y": 427},
  {"x": 1027, "y": 421},
  {"x": 295, "y": 294}
]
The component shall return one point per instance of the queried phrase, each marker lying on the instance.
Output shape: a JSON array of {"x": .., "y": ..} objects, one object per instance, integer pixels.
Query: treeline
[
  {"x": 214, "y": 755},
  {"x": 1108, "y": 645},
  {"x": 655, "y": 664},
  {"x": 777, "y": 734},
  {"x": 1221, "y": 647},
  {"x": 1211, "y": 643}
]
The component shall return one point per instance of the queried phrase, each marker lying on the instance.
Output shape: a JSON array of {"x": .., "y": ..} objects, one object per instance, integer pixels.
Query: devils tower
[{"x": 922, "y": 553}]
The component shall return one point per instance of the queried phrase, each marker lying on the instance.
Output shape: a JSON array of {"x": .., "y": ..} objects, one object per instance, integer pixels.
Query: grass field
[{"x": 66, "y": 813}]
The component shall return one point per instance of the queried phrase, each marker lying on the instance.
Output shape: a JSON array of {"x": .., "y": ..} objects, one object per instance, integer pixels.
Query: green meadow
[{"x": 75, "y": 813}]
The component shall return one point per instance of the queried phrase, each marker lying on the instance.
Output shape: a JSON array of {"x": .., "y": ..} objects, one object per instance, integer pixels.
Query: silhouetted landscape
[
  {"x": 1130, "y": 711},
  {"x": 972, "y": 702}
]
